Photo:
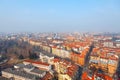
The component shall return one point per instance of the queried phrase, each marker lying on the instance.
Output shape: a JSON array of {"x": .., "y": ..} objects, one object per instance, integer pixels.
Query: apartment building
[
  {"x": 66, "y": 70},
  {"x": 46, "y": 57},
  {"x": 60, "y": 52},
  {"x": 105, "y": 58}
]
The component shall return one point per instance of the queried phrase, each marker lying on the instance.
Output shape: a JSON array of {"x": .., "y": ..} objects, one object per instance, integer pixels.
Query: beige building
[
  {"x": 46, "y": 57},
  {"x": 61, "y": 53}
]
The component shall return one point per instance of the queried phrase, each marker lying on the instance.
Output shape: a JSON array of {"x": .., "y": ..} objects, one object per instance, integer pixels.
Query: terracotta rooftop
[
  {"x": 56, "y": 60},
  {"x": 36, "y": 62},
  {"x": 48, "y": 76}
]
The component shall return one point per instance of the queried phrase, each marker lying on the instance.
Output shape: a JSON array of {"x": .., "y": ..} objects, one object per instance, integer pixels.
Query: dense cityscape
[
  {"x": 60, "y": 56},
  {"x": 59, "y": 39}
]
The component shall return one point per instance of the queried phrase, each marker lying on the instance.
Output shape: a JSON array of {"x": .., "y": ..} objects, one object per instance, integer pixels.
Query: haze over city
[
  {"x": 59, "y": 39},
  {"x": 59, "y": 15}
]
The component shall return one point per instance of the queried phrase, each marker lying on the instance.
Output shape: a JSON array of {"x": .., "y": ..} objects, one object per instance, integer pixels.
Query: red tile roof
[
  {"x": 106, "y": 77},
  {"x": 56, "y": 60},
  {"x": 114, "y": 57},
  {"x": 47, "y": 77},
  {"x": 36, "y": 62}
]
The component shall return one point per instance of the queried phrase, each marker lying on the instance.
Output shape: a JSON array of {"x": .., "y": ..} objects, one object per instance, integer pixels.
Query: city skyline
[{"x": 59, "y": 16}]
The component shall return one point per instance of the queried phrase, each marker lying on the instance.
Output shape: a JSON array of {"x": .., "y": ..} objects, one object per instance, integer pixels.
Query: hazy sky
[{"x": 59, "y": 15}]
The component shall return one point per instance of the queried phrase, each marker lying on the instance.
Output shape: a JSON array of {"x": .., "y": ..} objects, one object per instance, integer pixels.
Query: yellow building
[
  {"x": 46, "y": 48},
  {"x": 112, "y": 66},
  {"x": 64, "y": 77}
]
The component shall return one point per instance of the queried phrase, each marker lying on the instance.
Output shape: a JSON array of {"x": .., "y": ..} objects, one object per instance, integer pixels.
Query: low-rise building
[
  {"x": 38, "y": 64},
  {"x": 18, "y": 75}
]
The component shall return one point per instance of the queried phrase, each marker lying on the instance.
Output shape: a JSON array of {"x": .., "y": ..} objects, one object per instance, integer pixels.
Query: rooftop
[
  {"x": 28, "y": 66},
  {"x": 36, "y": 62},
  {"x": 20, "y": 73},
  {"x": 20, "y": 65},
  {"x": 38, "y": 71},
  {"x": 48, "y": 76}
]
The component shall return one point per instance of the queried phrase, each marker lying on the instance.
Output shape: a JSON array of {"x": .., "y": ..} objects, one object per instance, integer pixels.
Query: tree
[
  {"x": 21, "y": 56},
  {"x": 33, "y": 56},
  {"x": 55, "y": 76},
  {"x": 4, "y": 56}
]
